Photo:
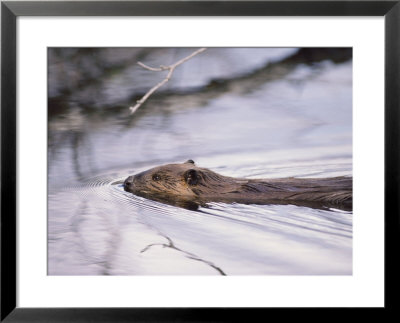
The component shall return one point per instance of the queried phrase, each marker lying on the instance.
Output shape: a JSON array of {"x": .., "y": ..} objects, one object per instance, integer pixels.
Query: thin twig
[
  {"x": 169, "y": 68},
  {"x": 186, "y": 253}
]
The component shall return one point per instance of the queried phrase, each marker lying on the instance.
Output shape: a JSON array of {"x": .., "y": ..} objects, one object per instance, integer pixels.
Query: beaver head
[{"x": 177, "y": 182}]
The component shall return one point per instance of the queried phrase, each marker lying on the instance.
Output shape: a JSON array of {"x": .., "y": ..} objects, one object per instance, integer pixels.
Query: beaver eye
[{"x": 156, "y": 177}]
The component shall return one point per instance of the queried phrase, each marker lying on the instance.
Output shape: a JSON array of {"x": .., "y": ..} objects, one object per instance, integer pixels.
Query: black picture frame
[{"x": 10, "y": 11}]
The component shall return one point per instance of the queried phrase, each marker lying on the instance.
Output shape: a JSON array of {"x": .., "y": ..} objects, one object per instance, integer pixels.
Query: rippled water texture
[{"x": 243, "y": 112}]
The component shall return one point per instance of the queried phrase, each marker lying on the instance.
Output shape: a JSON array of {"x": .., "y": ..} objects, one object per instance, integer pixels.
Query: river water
[{"x": 243, "y": 112}]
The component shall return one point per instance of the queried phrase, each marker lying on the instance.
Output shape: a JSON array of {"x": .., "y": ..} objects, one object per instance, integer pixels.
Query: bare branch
[
  {"x": 154, "y": 69},
  {"x": 169, "y": 68}
]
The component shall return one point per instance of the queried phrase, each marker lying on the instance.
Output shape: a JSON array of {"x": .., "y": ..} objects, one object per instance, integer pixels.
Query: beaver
[{"x": 190, "y": 186}]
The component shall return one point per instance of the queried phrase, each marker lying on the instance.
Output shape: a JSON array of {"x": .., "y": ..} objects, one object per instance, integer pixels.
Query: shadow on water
[{"x": 243, "y": 83}]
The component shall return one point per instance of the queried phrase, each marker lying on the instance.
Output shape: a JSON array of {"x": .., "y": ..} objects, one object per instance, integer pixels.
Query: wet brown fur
[{"x": 189, "y": 186}]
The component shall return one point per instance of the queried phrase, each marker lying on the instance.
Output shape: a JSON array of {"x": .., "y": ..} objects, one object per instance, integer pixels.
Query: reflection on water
[{"x": 257, "y": 113}]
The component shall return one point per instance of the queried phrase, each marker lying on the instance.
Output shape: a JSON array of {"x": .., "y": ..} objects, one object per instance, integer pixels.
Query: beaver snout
[{"x": 128, "y": 184}]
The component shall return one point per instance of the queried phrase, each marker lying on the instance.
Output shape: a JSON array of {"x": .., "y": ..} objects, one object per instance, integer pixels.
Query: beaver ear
[
  {"x": 191, "y": 177},
  {"x": 189, "y": 161}
]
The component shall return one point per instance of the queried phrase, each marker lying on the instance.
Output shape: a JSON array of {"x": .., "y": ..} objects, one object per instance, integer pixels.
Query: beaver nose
[{"x": 128, "y": 183}]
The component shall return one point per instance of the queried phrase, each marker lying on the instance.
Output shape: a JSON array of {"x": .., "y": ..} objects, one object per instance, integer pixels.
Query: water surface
[{"x": 255, "y": 113}]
